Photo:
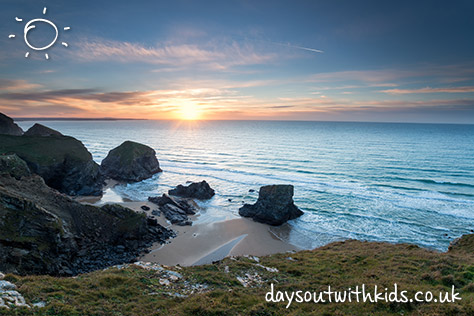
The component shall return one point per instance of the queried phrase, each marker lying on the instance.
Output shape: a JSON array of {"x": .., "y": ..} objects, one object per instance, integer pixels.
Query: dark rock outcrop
[
  {"x": 44, "y": 232},
  {"x": 13, "y": 166},
  {"x": 175, "y": 215},
  {"x": 8, "y": 127},
  {"x": 41, "y": 130},
  {"x": 274, "y": 206},
  {"x": 187, "y": 205},
  {"x": 176, "y": 210},
  {"x": 196, "y": 190},
  {"x": 131, "y": 162},
  {"x": 62, "y": 161}
]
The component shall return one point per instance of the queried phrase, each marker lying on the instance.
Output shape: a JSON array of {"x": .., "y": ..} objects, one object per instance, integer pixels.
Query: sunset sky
[{"x": 389, "y": 61}]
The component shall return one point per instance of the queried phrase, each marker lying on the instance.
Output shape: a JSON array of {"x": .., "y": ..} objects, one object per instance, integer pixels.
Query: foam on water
[{"x": 370, "y": 181}]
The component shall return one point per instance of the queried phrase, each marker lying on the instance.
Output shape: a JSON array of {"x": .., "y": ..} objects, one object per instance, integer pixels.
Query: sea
[{"x": 392, "y": 182}]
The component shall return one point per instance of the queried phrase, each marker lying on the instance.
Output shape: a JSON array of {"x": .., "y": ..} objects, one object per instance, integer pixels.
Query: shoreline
[{"x": 204, "y": 243}]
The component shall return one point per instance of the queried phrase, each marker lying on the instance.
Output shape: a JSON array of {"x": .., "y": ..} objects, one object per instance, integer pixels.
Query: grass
[
  {"x": 44, "y": 150},
  {"x": 215, "y": 290},
  {"x": 128, "y": 151}
]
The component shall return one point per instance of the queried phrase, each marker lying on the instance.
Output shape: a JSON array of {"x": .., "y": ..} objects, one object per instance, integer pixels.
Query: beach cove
[{"x": 204, "y": 243}]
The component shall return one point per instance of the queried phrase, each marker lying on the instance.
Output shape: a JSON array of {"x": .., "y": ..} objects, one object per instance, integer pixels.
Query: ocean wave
[{"x": 392, "y": 186}]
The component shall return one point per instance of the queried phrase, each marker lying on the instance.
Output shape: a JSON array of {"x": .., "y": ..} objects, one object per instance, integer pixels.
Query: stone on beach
[
  {"x": 274, "y": 206},
  {"x": 175, "y": 209},
  {"x": 175, "y": 214},
  {"x": 131, "y": 162},
  {"x": 196, "y": 190},
  {"x": 185, "y": 204}
]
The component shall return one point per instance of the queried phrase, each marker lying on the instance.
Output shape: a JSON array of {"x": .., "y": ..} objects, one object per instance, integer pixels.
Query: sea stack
[
  {"x": 274, "y": 206},
  {"x": 196, "y": 190},
  {"x": 131, "y": 162}
]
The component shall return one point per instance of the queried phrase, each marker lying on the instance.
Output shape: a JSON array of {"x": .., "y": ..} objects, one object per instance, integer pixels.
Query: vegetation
[
  {"x": 215, "y": 289},
  {"x": 128, "y": 151},
  {"x": 44, "y": 150}
]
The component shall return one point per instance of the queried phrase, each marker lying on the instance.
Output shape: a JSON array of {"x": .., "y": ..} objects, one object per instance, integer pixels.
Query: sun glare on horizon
[{"x": 189, "y": 111}]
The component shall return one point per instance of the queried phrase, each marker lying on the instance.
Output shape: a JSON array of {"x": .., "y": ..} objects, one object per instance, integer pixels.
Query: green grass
[
  {"x": 44, "y": 150},
  {"x": 128, "y": 151},
  {"x": 136, "y": 291}
]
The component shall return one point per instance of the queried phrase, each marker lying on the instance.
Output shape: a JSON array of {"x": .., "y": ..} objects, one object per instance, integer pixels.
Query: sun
[
  {"x": 189, "y": 111},
  {"x": 31, "y": 25}
]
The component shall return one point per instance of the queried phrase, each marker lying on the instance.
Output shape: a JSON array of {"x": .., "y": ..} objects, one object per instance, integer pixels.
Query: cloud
[
  {"x": 45, "y": 95},
  {"x": 8, "y": 84},
  {"x": 212, "y": 55},
  {"x": 224, "y": 100},
  {"x": 371, "y": 76},
  {"x": 388, "y": 77},
  {"x": 467, "y": 89}
]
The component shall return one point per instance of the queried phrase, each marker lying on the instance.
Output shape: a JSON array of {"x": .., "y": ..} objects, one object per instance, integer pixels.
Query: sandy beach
[{"x": 208, "y": 242}]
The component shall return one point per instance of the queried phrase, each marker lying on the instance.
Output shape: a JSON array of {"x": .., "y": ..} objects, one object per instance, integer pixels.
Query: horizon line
[{"x": 20, "y": 119}]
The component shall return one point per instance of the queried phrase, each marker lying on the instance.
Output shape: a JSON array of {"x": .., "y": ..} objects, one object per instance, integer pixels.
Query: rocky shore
[{"x": 44, "y": 231}]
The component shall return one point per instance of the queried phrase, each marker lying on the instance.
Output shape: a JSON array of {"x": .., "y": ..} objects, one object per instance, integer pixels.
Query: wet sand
[
  {"x": 207, "y": 242},
  {"x": 90, "y": 199}
]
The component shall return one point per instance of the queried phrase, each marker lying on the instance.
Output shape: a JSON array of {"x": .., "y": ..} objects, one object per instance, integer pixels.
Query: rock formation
[
  {"x": 14, "y": 166},
  {"x": 8, "y": 127},
  {"x": 45, "y": 232},
  {"x": 176, "y": 210},
  {"x": 196, "y": 190},
  {"x": 274, "y": 206},
  {"x": 41, "y": 130},
  {"x": 62, "y": 161},
  {"x": 131, "y": 162}
]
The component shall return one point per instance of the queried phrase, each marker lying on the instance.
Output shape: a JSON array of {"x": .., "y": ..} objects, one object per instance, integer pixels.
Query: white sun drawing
[{"x": 31, "y": 25}]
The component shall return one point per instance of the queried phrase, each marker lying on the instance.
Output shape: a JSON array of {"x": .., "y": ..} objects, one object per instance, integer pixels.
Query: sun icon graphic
[{"x": 31, "y": 25}]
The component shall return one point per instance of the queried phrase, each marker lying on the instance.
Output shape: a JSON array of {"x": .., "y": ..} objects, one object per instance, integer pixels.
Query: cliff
[{"x": 45, "y": 232}]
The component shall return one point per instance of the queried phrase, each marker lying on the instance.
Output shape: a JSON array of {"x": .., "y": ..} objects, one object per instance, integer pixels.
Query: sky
[{"x": 382, "y": 61}]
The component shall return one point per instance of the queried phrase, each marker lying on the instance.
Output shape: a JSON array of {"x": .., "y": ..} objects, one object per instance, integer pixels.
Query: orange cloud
[
  {"x": 7, "y": 84},
  {"x": 209, "y": 99}
]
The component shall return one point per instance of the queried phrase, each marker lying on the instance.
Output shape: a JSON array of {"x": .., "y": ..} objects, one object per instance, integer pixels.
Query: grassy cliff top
[
  {"x": 218, "y": 289},
  {"x": 44, "y": 150},
  {"x": 128, "y": 151}
]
